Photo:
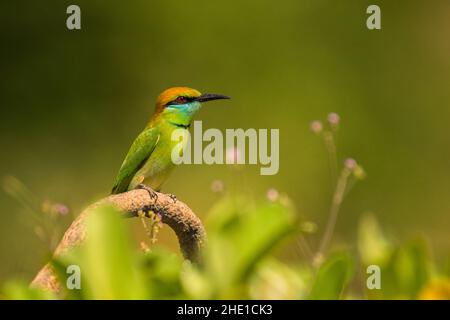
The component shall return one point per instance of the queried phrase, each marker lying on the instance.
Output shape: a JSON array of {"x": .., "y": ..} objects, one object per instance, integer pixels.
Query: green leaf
[
  {"x": 162, "y": 270},
  {"x": 412, "y": 267},
  {"x": 373, "y": 246},
  {"x": 242, "y": 234},
  {"x": 60, "y": 266},
  {"x": 275, "y": 280},
  {"x": 19, "y": 290},
  {"x": 195, "y": 283},
  {"x": 109, "y": 268},
  {"x": 332, "y": 278},
  {"x": 406, "y": 273}
]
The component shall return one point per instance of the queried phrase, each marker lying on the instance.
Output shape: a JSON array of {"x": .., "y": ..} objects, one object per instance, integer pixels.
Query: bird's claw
[
  {"x": 173, "y": 197},
  {"x": 153, "y": 195}
]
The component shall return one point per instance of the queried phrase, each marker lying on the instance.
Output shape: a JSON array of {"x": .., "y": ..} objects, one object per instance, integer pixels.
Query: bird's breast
[{"x": 160, "y": 163}]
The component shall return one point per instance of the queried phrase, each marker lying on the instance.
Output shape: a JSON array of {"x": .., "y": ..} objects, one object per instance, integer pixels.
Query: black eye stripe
[{"x": 187, "y": 100}]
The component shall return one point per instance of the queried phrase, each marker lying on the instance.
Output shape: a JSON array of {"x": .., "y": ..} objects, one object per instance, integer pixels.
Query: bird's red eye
[{"x": 181, "y": 99}]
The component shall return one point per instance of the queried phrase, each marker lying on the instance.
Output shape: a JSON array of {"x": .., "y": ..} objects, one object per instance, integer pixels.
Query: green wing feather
[{"x": 139, "y": 152}]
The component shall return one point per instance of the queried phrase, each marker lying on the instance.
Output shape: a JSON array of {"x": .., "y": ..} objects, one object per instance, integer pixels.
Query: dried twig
[{"x": 177, "y": 215}]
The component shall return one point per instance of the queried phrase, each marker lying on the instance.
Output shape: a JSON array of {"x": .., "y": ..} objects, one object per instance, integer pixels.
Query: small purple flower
[
  {"x": 316, "y": 126},
  {"x": 333, "y": 119},
  {"x": 272, "y": 194},
  {"x": 60, "y": 209},
  {"x": 350, "y": 163},
  {"x": 233, "y": 155}
]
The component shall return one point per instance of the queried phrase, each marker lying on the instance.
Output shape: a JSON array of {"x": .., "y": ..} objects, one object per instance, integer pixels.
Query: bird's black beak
[{"x": 211, "y": 96}]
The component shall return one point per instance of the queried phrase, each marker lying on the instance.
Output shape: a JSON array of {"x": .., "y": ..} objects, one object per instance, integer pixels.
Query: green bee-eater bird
[{"x": 149, "y": 162}]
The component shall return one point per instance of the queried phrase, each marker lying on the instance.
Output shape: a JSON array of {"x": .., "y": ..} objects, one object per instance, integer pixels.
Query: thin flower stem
[
  {"x": 330, "y": 145},
  {"x": 338, "y": 197},
  {"x": 305, "y": 247},
  {"x": 350, "y": 184}
]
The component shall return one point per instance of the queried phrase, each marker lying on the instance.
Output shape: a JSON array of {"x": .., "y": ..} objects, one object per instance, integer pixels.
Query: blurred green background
[{"x": 73, "y": 101}]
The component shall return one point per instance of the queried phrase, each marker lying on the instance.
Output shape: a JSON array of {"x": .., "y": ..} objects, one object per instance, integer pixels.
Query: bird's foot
[
  {"x": 173, "y": 197},
  {"x": 153, "y": 195}
]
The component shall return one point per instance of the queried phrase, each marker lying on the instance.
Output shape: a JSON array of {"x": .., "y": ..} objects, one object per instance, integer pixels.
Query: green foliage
[
  {"x": 241, "y": 235},
  {"x": 406, "y": 269},
  {"x": 107, "y": 263},
  {"x": 332, "y": 278},
  {"x": 240, "y": 262},
  {"x": 277, "y": 280},
  {"x": 19, "y": 290},
  {"x": 406, "y": 272}
]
